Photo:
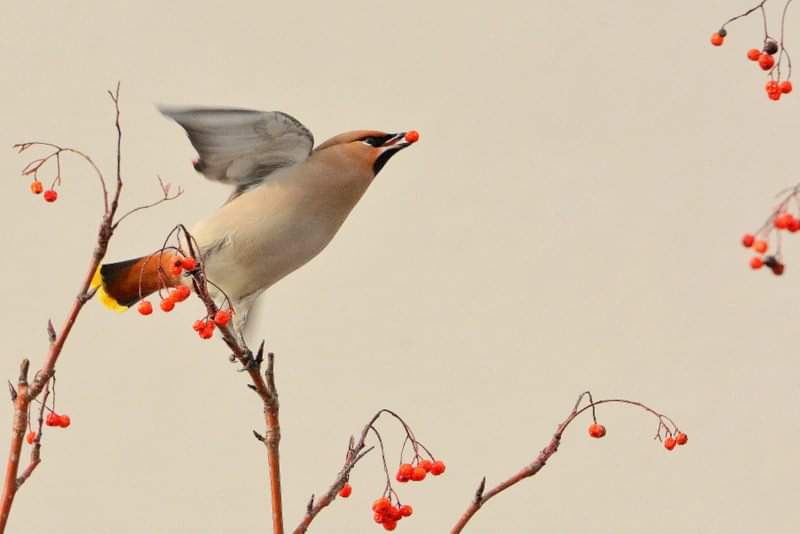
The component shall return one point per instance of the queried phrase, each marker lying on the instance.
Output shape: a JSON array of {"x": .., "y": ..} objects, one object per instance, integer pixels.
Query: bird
[{"x": 289, "y": 199}]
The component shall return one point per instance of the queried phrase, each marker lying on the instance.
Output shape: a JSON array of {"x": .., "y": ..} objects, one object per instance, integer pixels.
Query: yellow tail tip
[{"x": 107, "y": 300}]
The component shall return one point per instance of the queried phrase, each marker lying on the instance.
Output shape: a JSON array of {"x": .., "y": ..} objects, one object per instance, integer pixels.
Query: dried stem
[
  {"x": 26, "y": 393},
  {"x": 263, "y": 384},
  {"x": 481, "y": 495}
]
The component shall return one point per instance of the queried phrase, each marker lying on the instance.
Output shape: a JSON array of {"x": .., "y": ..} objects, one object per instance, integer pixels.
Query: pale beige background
[{"x": 569, "y": 221}]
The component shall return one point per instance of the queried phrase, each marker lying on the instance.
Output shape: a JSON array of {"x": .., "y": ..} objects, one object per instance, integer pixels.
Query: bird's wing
[{"x": 241, "y": 147}]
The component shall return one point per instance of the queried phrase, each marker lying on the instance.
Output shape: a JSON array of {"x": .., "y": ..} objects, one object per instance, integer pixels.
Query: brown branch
[
  {"x": 481, "y": 496},
  {"x": 20, "y": 423},
  {"x": 355, "y": 452},
  {"x": 262, "y": 384},
  {"x": 26, "y": 394}
]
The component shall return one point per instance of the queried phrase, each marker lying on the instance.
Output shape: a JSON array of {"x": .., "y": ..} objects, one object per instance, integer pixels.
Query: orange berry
[
  {"x": 437, "y": 468},
  {"x": 596, "y": 430},
  {"x": 167, "y": 305},
  {"x": 406, "y": 510},
  {"x": 189, "y": 263},
  {"x": 145, "y": 308},
  {"x": 222, "y": 317},
  {"x": 781, "y": 222},
  {"x": 419, "y": 474},
  {"x": 753, "y": 54},
  {"x": 31, "y": 437},
  {"x": 756, "y": 262},
  {"x": 36, "y": 187},
  {"x": 207, "y": 331},
  {"x": 390, "y": 525},
  {"x": 786, "y": 87},
  {"x": 748, "y": 240},
  {"x": 64, "y": 421},
  {"x": 50, "y": 195},
  {"x": 760, "y": 246},
  {"x": 426, "y": 465},
  {"x": 669, "y": 443},
  {"x": 182, "y": 293},
  {"x": 412, "y": 136},
  {"x": 717, "y": 39},
  {"x": 381, "y": 505},
  {"x": 405, "y": 470},
  {"x": 681, "y": 438},
  {"x": 346, "y": 490},
  {"x": 765, "y": 61}
]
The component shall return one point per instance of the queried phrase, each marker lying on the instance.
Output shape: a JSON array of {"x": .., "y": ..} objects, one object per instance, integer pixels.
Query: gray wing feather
[{"x": 241, "y": 147}]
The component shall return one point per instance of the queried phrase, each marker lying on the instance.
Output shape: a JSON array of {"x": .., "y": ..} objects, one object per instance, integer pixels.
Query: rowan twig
[{"x": 482, "y": 496}]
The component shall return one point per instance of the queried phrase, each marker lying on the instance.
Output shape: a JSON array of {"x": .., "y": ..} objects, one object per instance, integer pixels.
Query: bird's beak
[
  {"x": 400, "y": 140},
  {"x": 394, "y": 144}
]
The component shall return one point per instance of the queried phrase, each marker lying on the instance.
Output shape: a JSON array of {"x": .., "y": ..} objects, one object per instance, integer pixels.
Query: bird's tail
[{"x": 121, "y": 284}]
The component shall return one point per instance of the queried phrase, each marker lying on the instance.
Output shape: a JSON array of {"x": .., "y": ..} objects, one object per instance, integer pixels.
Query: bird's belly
[{"x": 261, "y": 251}]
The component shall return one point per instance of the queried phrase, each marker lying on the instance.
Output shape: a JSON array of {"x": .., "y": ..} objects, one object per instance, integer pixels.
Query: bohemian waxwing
[{"x": 289, "y": 200}]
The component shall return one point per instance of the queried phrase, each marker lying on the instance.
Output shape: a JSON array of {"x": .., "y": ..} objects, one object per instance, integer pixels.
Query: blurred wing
[{"x": 241, "y": 147}]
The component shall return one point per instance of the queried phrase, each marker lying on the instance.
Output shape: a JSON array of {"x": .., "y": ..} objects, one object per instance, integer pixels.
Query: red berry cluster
[
  {"x": 179, "y": 294},
  {"x": 596, "y": 430},
  {"x": 419, "y": 470},
  {"x": 780, "y": 222},
  {"x": 205, "y": 327},
  {"x": 769, "y": 57},
  {"x": 53, "y": 419},
  {"x": 36, "y": 188},
  {"x": 389, "y": 514}
]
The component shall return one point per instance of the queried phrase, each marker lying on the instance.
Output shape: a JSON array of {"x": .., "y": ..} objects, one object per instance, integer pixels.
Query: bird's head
[{"x": 370, "y": 148}]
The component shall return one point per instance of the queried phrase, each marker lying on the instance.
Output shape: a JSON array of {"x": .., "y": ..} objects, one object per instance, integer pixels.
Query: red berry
[
  {"x": 381, "y": 505},
  {"x": 346, "y": 490},
  {"x": 198, "y": 325},
  {"x": 765, "y": 61},
  {"x": 756, "y": 262},
  {"x": 406, "y": 510},
  {"x": 437, "y": 468},
  {"x": 717, "y": 39},
  {"x": 596, "y": 430},
  {"x": 222, "y": 317},
  {"x": 167, "y": 305},
  {"x": 681, "y": 438},
  {"x": 760, "y": 246},
  {"x": 50, "y": 195},
  {"x": 748, "y": 240},
  {"x": 774, "y": 95},
  {"x": 786, "y": 87},
  {"x": 182, "y": 293},
  {"x": 390, "y": 525},
  {"x": 418, "y": 474},
  {"x": 207, "y": 331},
  {"x": 405, "y": 470},
  {"x": 777, "y": 268},
  {"x": 669, "y": 443},
  {"x": 781, "y": 222},
  {"x": 189, "y": 263},
  {"x": 412, "y": 136},
  {"x": 145, "y": 308},
  {"x": 753, "y": 54},
  {"x": 426, "y": 465},
  {"x": 64, "y": 421},
  {"x": 400, "y": 478},
  {"x": 31, "y": 437},
  {"x": 393, "y": 513},
  {"x": 36, "y": 187},
  {"x": 176, "y": 270},
  {"x": 379, "y": 517},
  {"x": 52, "y": 419}
]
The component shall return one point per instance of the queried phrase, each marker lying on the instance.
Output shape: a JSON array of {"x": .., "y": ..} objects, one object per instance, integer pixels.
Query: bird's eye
[{"x": 376, "y": 141}]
